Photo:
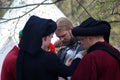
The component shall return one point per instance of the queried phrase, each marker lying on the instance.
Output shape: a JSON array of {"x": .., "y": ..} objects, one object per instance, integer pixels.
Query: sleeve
[
  {"x": 86, "y": 69},
  {"x": 7, "y": 72},
  {"x": 61, "y": 69}
]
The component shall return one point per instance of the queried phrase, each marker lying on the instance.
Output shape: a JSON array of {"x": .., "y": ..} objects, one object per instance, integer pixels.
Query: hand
[
  {"x": 68, "y": 61},
  {"x": 80, "y": 54},
  {"x": 83, "y": 52},
  {"x": 58, "y": 43}
]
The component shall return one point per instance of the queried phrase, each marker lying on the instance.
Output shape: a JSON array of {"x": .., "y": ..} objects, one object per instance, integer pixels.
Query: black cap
[{"x": 93, "y": 27}]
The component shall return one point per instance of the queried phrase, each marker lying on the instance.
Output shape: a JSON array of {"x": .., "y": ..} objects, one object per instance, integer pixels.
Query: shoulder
[
  {"x": 97, "y": 56},
  {"x": 14, "y": 51},
  {"x": 50, "y": 56},
  {"x": 12, "y": 55},
  {"x": 97, "y": 53}
]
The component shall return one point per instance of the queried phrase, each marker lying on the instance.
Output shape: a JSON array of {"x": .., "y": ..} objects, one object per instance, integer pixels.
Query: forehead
[
  {"x": 82, "y": 37},
  {"x": 60, "y": 32}
]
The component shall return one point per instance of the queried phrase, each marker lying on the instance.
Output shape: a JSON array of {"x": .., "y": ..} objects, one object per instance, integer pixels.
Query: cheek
[
  {"x": 84, "y": 43},
  {"x": 50, "y": 39},
  {"x": 67, "y": 38}
]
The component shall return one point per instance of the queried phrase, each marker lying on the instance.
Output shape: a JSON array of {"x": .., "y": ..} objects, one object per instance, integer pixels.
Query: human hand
[
  {"x": 83, "y": 52},
  {"x": 58, "y": 43},
  {"x": 68, "y": 61},
  {"x": 80, "y": 54}
]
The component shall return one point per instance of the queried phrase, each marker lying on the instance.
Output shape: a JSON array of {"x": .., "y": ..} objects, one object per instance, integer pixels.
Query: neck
[
  {"x": 98, "y": 39},
  {"x": 45, "y": 48},
  {"x": 71, "y": 33}
]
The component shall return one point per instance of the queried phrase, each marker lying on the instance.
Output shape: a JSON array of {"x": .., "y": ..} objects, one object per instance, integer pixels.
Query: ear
[
  {"x": 45, "y": 38},
  {"x": 70, "y": 28},
  {"x": 89, "y": 38}
]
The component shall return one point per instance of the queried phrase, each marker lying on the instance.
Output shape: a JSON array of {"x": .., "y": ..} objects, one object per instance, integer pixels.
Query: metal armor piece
[{"x": 70, "y": 50}]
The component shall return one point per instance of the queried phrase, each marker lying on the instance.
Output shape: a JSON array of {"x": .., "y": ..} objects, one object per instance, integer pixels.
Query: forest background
[{"x": 79, "y": 10}]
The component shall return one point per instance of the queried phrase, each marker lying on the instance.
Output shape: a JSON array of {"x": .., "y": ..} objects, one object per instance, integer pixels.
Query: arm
[
  {"x": 65, "y": 71},
  {"x": 86, "y": 69}
]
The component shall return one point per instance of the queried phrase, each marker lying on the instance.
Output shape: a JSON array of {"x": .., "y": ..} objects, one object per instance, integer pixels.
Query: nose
[{"x": 61, "y": 39}]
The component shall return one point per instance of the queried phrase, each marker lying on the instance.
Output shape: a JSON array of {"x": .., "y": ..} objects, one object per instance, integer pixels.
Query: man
[
  {"x": 70, "y": 45},
  {"x": 102, "y": 61},
  {"x": 9, "y": 64},
  {"x": 34, "y": 62}
]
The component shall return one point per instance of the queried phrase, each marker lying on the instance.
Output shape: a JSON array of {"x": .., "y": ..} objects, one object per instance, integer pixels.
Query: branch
[
  {"x": 85, "y": 8},
  {"x": 15, "y": 29},
  {"x": 30, "y": 5},
  {"x": 6, "y": 20},
  {"x": 113, "y": 10},
  {"x": 115, "y": 21}
]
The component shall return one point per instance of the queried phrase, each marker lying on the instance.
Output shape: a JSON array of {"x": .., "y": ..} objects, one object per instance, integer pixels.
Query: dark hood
[{"x": 34, "y": 30}]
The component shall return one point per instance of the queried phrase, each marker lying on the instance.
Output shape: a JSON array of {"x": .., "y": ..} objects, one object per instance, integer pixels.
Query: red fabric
[
  {"x": 52, "y": 48},
  {"x": 97, "y": 65},
  {"x": 9, "y": 65}
]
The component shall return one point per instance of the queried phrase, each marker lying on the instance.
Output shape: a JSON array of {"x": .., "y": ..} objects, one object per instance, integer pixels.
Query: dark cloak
[{"x": 33, "y": 63}]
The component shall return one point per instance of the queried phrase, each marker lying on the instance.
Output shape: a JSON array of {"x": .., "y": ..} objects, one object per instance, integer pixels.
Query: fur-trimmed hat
[{"x": 93, "y": 27}]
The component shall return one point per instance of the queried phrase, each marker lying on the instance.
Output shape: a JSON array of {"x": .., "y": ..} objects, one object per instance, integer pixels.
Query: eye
[
  {"x": 62, "y": 36},
  {"x": 52, "y": 36}
]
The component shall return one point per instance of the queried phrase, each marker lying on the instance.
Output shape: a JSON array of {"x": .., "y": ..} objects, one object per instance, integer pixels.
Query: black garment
[
  {"x": 35, "y": 29},
  {"x": 33, "y": 63},
  {"x": 43, "y": 66},
  {"x": 70, "y": 50}
]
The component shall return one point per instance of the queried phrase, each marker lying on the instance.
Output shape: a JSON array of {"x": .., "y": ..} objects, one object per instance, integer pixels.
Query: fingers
[{"x": 69, "y": 61}]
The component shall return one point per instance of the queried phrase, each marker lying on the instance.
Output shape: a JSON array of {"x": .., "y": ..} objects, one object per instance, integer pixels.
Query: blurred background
[{"x": 14, "y": 14}]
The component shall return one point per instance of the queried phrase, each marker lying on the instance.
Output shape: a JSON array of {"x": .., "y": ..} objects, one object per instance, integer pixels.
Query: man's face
[
  {"x": 49, "y": 39},
  {"x": 64, "y": 36},
  {"x": 85, "y": 41},
  {"x": 46, "y": 41}
]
